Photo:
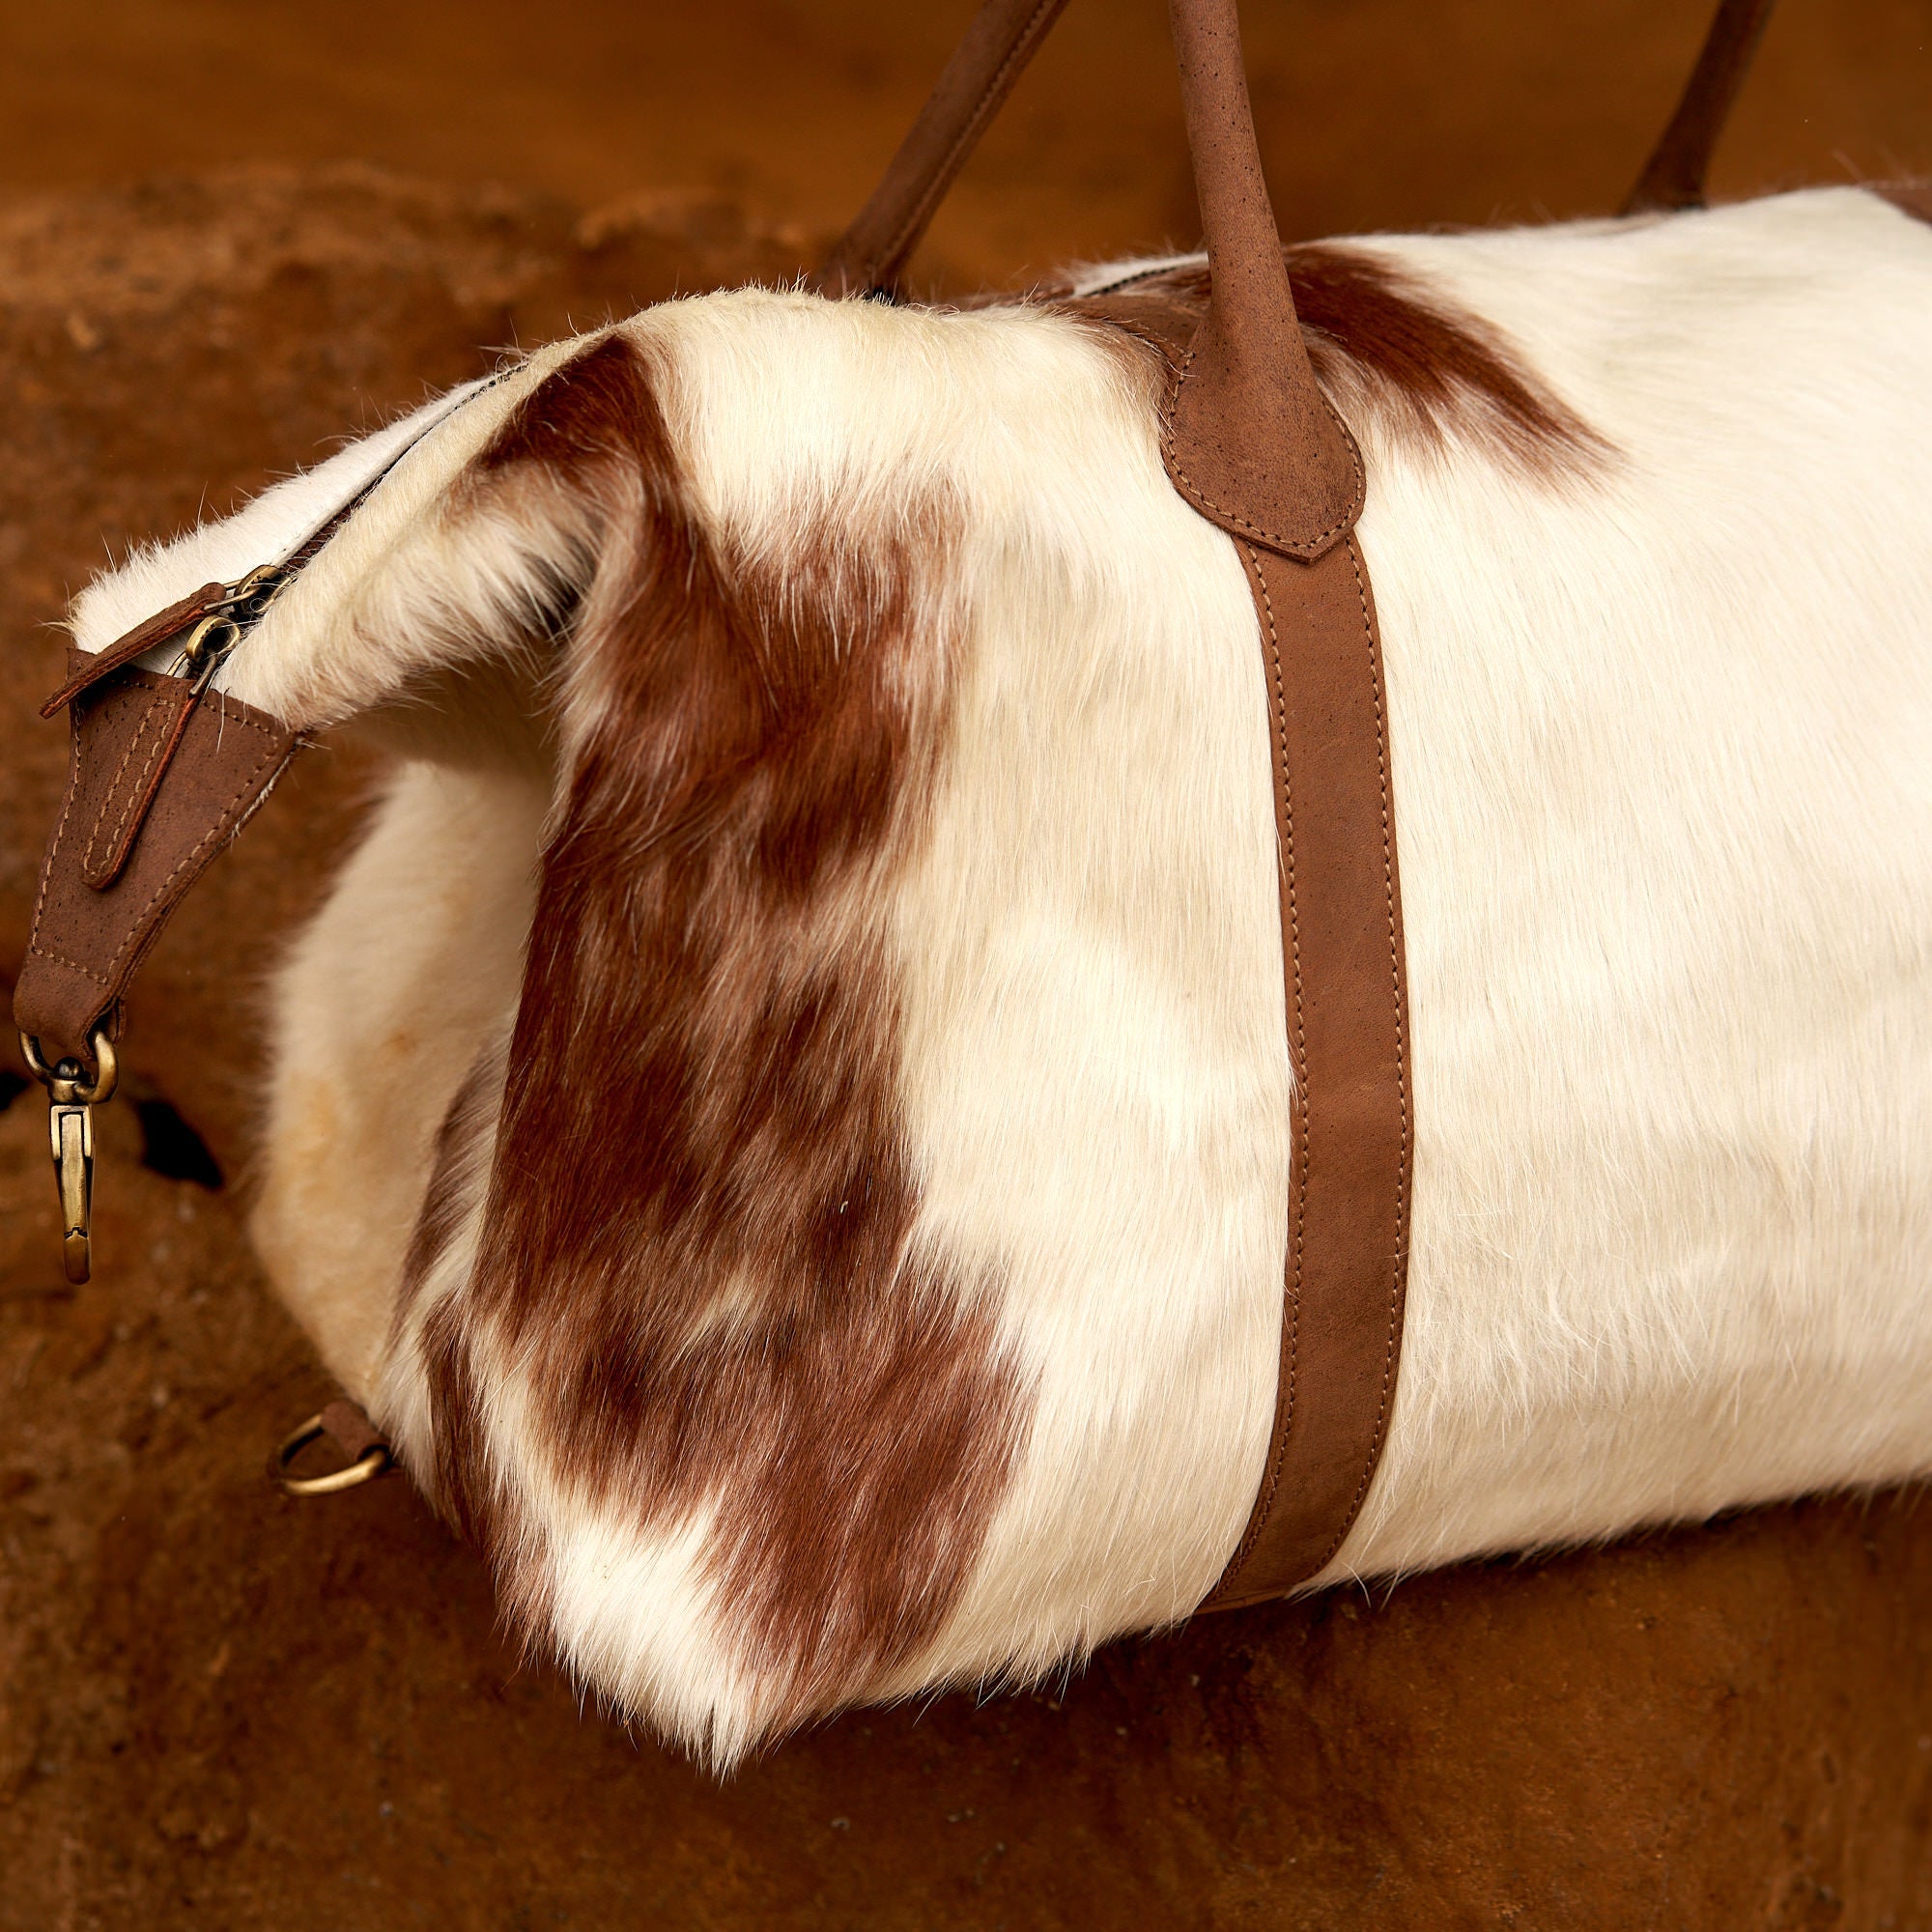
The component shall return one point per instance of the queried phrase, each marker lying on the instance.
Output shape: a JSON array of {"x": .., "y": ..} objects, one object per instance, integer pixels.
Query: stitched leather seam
[
  {"x": 1400, "y": 1077},
  {"x": 48, "y": 869},
  {"x": 72, "y": 966},
  {"x": 144, "y": 944},
  {"x": 220, "y": 830},
  {"x": 942, "y": 178},
  {"x": 1291, "y": 1346},
  {"x": 1297, "y": 545},
  {"x": 1142, "y": 333},
  {"x": 156, "y": 630},
  {"x": 90, "y": 861}
]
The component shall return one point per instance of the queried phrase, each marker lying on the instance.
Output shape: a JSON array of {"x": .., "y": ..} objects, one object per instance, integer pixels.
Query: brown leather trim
[
  {"x": 1250, "y": 441},
  {"x": 87, "y": 941},
  {"x": 130, "y": 792},
  {"x": 1348, "y": 1022},
  {"x": 1674, "y": 176}
]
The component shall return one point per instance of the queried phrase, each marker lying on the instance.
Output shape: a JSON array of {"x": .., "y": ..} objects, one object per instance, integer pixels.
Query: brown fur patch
[
  {"x": 449, "y": 1198},
  {"x": 456, "y": 1476},
  {"x": 1439, "y": 372},
  {"x": 700, "y": 1240}
]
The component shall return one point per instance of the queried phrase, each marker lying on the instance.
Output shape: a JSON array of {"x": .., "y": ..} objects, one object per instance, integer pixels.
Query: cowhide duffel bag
[{"x": 919, "y": 886}]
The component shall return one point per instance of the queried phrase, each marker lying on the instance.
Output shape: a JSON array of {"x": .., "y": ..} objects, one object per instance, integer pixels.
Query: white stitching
[
  {"x": 1300, "y": 546},
  {"x": 88, "y": 863}
]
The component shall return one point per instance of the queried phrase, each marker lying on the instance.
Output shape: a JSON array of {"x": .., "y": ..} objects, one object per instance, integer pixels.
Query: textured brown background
[{"x": 219, "y": 1709}]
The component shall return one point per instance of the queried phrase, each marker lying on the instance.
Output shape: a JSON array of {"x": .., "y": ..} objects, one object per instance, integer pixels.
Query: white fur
[{"x": 1662, "y": 754}]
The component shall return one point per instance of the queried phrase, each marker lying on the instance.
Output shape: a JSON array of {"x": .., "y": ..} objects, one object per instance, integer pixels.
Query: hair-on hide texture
[
  {"x": 784, "y": 1118},
  {"x": 708, "y": 1044},
  {"x": 1383, "y": 341}
]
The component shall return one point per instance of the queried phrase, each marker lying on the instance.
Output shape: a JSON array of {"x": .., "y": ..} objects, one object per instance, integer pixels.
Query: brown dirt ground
[{"x": 219, "y": 1709}]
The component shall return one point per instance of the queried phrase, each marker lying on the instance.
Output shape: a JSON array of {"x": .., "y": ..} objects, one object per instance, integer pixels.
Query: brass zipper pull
[{"x": 72, "y": 1101}]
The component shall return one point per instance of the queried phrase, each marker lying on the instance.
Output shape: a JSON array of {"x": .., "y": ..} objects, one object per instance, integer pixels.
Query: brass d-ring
[{"x": 373, "y": 1461}]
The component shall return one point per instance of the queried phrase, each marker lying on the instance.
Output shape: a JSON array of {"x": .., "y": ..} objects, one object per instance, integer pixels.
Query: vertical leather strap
[
  {"x": 1253, "y": 444},
  {"x": 1348, "y": 1028},
  {"x": 1250, "y": 442},
  {"x": 1674, "y": 176}
]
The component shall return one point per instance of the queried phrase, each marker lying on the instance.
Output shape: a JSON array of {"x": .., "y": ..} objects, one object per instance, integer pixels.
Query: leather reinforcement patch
[{"x": 134, "y": 833}]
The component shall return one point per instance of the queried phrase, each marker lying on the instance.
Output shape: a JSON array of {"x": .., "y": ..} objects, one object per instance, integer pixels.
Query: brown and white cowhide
[{"x": 786, "y": 1118}]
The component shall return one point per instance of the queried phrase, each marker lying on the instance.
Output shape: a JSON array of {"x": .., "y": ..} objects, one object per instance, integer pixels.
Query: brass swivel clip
[{"x": 72, "y": 1101}]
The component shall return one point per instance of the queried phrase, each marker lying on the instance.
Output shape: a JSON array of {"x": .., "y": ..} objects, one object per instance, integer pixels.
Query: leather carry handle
[
  {"x": 871, "y": 257},
  {"x": 1673, "y": 178},
  {"x": 1246, "y": 396},
  {"x": 1246, "y": 392},
  {"x": 1250, "y": 442}
]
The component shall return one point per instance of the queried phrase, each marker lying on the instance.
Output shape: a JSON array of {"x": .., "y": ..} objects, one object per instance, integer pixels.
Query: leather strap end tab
[
  {"x": 159, "y": 730},
  {"x": 1251, "y": 441},
  {"x": 1228, "y": 414},
  {"x": 87, "y": 668},
  {"x": 158, "y": 784}
]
